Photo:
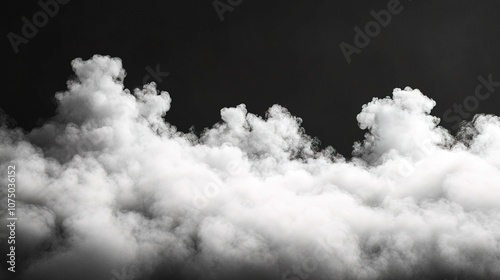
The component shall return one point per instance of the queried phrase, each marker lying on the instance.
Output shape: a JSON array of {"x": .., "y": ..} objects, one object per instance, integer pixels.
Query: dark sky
[{"x": 262, "y": 53}]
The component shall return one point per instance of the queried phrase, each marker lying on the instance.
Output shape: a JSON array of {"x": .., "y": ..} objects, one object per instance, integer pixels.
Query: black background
[{"x": 263, "y": 53}]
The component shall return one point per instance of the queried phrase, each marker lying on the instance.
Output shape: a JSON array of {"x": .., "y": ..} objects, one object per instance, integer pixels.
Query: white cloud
[{"x": 108, "y": 184}]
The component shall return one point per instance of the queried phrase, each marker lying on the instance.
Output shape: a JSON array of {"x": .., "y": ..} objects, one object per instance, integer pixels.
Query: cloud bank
[{"x": 107, "y": 190}]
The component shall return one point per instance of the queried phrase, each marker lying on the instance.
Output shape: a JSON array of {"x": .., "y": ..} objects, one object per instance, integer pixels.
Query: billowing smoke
[{"x": 108, "y": 190}]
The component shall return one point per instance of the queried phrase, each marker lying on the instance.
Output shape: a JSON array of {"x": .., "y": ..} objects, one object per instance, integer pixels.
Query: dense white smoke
[{"x": 108, "y": 190}]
